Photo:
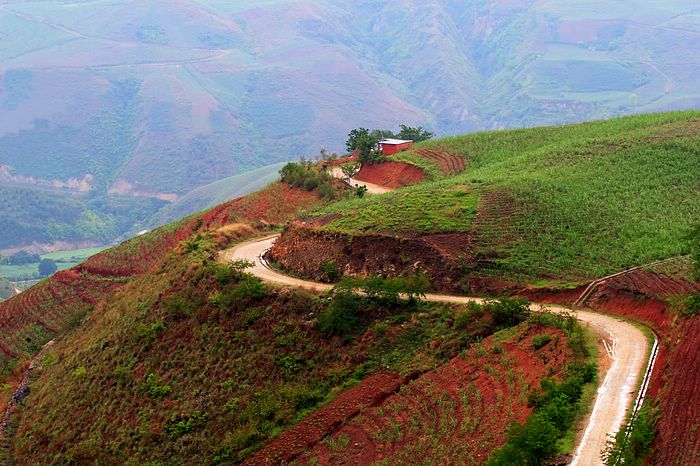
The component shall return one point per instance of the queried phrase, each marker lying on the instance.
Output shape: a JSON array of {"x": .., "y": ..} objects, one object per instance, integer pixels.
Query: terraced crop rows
[
  {"x": 494, "y": 223},
  {"x": 450, "y": 164},
  {"x": 457, "y": 414}
]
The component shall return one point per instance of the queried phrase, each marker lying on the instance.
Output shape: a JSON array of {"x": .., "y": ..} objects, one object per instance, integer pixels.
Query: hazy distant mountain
[{"x": 112, "y": 109}]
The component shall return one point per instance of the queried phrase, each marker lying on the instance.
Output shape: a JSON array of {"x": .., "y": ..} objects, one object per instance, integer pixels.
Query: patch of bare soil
[
  {"x": 306, "y": 250},
  {"x": 325, "y": 421},
  {"x": 457, "y": 413},
  {"x": 391, "y": 174}
]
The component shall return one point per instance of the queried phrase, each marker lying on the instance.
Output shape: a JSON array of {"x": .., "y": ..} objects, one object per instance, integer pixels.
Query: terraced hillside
[
  {"x": 573, "y": 202},
  {"x": 182, "y": 359},
  {"x": 164, "y": 354}
]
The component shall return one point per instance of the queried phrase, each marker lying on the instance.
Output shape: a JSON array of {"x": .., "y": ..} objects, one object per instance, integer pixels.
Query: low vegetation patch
[
  {"x": 587, "y": 199},
  {"x": 422, "y": 209},
  {"x": 632, "y": 445}
]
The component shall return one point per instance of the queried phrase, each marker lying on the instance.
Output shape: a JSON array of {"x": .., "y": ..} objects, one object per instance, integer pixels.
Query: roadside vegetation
[
  {"x": 272, "y": 356},
  {"x": 311, "y": 176},
  {"x": 557, "y": 405},
  {"x": 632, "y": 445},
  {"x": 586, "y": 200}
]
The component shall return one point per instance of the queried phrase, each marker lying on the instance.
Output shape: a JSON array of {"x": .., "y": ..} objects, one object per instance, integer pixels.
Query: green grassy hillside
[
  {"x": 571, "y": 202},
  {"x": 217, "y": 193},
  {"x": 159, "y": 99}
]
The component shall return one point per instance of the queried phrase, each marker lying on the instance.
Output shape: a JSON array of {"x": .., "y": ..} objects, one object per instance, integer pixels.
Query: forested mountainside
[{"x": 110, "y": 111}]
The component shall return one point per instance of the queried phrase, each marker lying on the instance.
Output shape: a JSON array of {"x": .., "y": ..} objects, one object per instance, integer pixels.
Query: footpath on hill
[{"x": 626, "y": 345}]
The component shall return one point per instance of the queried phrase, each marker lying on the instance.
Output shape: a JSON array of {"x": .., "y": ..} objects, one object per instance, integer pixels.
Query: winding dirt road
[
  {"x": 371, "y": 187},
  {"x": 626, "y": 345}
]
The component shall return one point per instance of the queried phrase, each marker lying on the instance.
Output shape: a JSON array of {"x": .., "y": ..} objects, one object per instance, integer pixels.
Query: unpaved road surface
[
  {"x": 371, "y": 187},
  {"x": 627, "y": 347}
]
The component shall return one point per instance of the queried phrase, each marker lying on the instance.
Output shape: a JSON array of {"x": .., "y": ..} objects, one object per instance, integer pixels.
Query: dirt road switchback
[{"x": 626, "y": 345}]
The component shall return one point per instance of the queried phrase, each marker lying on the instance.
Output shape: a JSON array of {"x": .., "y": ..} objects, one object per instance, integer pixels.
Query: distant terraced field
[{"x": 450, "y": 164}]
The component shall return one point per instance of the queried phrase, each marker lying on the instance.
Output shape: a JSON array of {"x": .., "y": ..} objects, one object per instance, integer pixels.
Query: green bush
[
  {"x": 389, "y": 291},
  {"x": 152, "y": 386},
  {"x": 632, "y": 449},
  {"x": 308, "y": 176},
  {"x": 250, "y": 288},
  {"x": 330, "y": 270},
  {"x": 691, "y": 306},
  {"x": 508, "y": 312},
  {"x": 178, "y": 307},
  {"x": 178, "y": 426},
  {"x": 341, "y": 315},
  {"x": 529, "y": 444},
  {"x": 232, "y": 272},
  {"x": 540, "y": 340}
]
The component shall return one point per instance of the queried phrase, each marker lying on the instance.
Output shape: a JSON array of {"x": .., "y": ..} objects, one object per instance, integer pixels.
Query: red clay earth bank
[
  {"x": 459, "y": 410},
  {"x": 305, "y": 250},
  {"x": 391, "y": 174},
  {"x": 675, "y": 385}
]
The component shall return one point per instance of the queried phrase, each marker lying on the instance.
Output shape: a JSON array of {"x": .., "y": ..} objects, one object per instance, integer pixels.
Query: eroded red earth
[
  {"x": 458, "y": 412},
  {"x": 391, "y": 174}
]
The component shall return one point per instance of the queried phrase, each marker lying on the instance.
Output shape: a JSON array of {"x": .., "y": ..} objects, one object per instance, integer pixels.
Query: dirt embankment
[
  {"x": 459, "y": 411},
  {"x": 391, "y": 174},
  {"x": 306, "y": 251},
  {"x": 675, "y": 385},
  {"x": 644, "y": 296}
]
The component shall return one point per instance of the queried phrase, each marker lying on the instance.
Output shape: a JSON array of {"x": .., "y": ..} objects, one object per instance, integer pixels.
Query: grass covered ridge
[
  {"x": 130, "y": 384},
  {"x": 581, "y": 201}
]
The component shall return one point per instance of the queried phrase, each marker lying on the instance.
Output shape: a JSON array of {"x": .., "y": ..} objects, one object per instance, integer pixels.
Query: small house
[{"x": 392, "y": 146}]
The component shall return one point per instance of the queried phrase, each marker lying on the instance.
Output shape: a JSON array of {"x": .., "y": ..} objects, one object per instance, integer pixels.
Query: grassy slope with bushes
[
  {"x": 129, "y": 384},
  {"x": 589, "y": 199}
]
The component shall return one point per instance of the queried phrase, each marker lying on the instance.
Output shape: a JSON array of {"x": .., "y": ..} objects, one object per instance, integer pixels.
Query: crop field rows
[
  {"x": 457, "y": 414},
  {"x": 495, "y": 221},
  {"x": 450, "y": 164}
]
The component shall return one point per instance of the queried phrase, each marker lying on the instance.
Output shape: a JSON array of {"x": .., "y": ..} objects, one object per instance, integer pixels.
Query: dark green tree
[
  {"x": 354, "y": 137},
  {"x": 341, "y": 315},
  {"x": 47, "y": 267},
  {"x": 417, "y": 134},
  {"x": 378, "y": 134},
  {"x": 24, "y": 257}
]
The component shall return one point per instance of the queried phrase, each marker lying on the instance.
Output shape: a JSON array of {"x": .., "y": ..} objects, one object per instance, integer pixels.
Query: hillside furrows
[
  {"x": 450, "y": 164},
  {"x": 458, "y": 412},
  {"x": 680, "y": 413},
  {"x": 29, "y": 319},
  {"x": 495, "y": 223}
]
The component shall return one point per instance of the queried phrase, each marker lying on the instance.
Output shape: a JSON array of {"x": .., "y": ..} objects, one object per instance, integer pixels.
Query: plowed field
[
  {"x": 449, "y": 163},
  {"x": 456, "y": 414}
]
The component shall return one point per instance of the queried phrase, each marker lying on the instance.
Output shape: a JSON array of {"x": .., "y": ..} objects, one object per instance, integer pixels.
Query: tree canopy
[
  {"x": 47, "y": 267},
  {"x": 362, "y": 139}
]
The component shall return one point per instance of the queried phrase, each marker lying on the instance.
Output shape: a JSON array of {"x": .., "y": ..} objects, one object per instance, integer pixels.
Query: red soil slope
[
  {"x": 33, "y": 317},
  {"x": 461, "y": 410},
  {"x": 391, "y": 174},
  {"x": 675, "y": 385},
  {"x": 449, "y": 163}
]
